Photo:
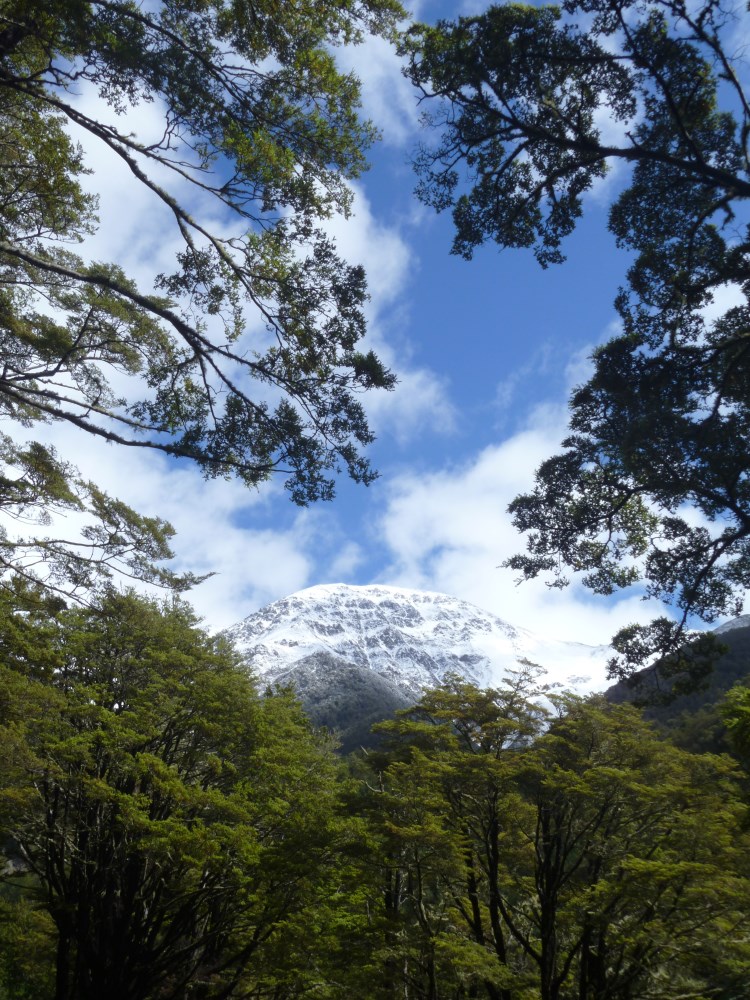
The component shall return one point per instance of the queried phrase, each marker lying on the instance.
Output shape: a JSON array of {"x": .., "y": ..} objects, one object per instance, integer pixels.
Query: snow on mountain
[
  {"x": 742, "y": 622},
  {"x": 410, "y": 638}
]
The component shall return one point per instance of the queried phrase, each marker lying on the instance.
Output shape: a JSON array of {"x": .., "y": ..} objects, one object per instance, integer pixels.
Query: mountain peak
[{"x": 412, "y": 638}]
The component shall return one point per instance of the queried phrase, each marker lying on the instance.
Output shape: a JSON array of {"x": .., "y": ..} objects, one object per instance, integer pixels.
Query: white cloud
[
  {"x": 725, "y": 297},
  {"x": 253, "y": 568},
  {"x": 346, "y": 561},
  {"x": 388, "y": 98},
  {"x": 419, "y": 403},
  {"x": 421, "y": 399},
  {"x": 449, "y": 531},
  {"x": 136, "y": 229},
  {"x": 381, "y": 249}
]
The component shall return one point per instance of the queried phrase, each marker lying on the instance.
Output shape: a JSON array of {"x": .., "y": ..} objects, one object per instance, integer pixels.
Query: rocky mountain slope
[
  {"x": 357, "y": 653},
  {"x": 409, "y": 637},
  {"x": 693, "y": 719}
]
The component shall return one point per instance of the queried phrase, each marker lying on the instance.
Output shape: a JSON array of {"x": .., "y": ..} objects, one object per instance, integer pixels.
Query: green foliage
[
  {"x": 735, "y": 711},
  {"x": 37, "y": 487},
  {"x": 664, "y": 421},
  {"x": 169, "y": 833},
  {"x": 261, "y": 131},
  {"x": 691, "y": 719},
  {"x": 27, "y": 951},
  {"x": 173, "y": 821},
  {"x": 639, "y": 864},
  {"x": 591, "y": 861}
]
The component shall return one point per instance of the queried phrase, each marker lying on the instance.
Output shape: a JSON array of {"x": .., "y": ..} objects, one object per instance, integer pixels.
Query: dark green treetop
[{"x": 518, "y": 94}]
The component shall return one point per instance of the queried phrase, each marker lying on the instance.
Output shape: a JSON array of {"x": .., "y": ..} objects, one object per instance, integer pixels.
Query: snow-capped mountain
[{"x": 411, "y": 639}]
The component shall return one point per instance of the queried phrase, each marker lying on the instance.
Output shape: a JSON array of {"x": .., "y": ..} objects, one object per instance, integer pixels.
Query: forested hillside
[{"x": 693, "y": 717}]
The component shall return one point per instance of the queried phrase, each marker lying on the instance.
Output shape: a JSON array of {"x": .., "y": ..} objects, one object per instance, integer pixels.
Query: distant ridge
[
  {"x": 743, "y": 621},
  {"x": 696, "y": 712}
]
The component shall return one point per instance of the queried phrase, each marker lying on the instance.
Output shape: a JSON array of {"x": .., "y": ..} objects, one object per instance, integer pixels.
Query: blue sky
[{"x": 486, "y": 352}]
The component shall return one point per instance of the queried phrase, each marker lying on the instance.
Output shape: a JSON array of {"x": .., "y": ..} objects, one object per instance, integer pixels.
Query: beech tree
[
  {"x": 516, "y": 95},
  {"x": 171, "y": 823},
  {"x": 638, "y": 874},
  {"x": 592, "y": 861},
  {"x": 244, "y": 356}
]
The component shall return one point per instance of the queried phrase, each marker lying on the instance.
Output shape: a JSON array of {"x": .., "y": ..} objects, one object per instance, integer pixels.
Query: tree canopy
[
  {"x": 653, "y": 484},
  {"x": 168, "y": 831},
  {"x": 243, "y": 357},
  {"x": 168, "y": 820},
  {"x": 590, "y": 861}
]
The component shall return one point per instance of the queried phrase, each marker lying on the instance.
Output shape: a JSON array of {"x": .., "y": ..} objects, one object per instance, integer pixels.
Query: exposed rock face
[{"x": 408, "y": 638}]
